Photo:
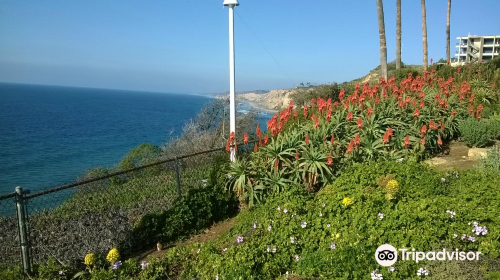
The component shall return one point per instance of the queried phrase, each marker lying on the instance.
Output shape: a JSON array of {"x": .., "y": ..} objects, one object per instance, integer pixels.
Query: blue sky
[{"x": 182, "y": 46}]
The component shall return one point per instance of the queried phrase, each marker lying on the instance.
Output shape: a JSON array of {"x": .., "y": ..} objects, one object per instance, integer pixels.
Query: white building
[{"x": 477, "y": 48}]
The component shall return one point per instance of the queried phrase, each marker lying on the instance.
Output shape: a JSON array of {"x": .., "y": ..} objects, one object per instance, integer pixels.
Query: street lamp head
[{"x": 231, "y": 2}]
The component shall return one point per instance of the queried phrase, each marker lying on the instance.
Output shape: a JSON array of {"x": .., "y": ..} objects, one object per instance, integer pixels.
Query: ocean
[{"x": 49, "y": 135}]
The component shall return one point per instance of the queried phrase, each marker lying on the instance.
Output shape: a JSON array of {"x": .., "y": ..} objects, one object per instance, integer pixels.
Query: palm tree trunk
[
  {"x": 383, "y": 48},
  {"x": 424, "y": 36},
  {"x": 448, "y": 33},
  {"x": 398, "y": 34}
]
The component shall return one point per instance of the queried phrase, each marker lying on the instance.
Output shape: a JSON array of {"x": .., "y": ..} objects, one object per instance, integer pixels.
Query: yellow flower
[
  {"x": 347, "y": 201},
  {"x": 113, "y": 256},
  {"x": 392, "y": 187},
  {"x": 90, "y": 259}
]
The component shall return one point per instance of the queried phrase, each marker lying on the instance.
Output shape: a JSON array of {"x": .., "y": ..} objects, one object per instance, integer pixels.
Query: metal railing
[{"x": 95, "y": 213}]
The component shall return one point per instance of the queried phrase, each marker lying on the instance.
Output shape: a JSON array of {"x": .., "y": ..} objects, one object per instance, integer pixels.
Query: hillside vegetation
[{"x": 336, "y": 176}]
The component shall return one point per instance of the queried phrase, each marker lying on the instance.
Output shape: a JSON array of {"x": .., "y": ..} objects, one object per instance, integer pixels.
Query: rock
[
  {"x": 436, "y": 161},
  {"x": 476, "y": 153}
]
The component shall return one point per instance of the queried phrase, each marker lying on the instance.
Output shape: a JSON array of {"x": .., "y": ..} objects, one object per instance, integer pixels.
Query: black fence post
[
  {"x": 23, "y": 233},
  {"x": 178, "y": 176}
]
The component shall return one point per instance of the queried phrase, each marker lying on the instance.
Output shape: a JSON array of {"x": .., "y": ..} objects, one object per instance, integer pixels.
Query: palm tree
[
  {"x": 447, "y": 32},
  {"x": 398, "y": 34},
  {"x": 383, "y": 48},
  {"x": 424, "y": 35}
]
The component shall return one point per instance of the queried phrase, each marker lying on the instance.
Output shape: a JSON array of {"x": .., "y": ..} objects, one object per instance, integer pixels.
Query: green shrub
[
  {"x": 494, "y": 128},
  {"x": 491, "y": 164},
  {"x": 476, "y": 133},
  {"x": 193, "y": 212},
  {"x": 402, "y": 73}
]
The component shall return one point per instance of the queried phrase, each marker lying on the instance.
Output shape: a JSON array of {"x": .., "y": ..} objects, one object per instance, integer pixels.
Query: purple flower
[
  {"x": 297, "y": 257},
  {"x": 279, "y": 209},
  {"x": 274, "y": 249},
  {"x": 303, "y": 224},
  {"x": 443, "y": 180},
  {"x": 225, "y": 249},
  {"x": 464, "y": 236},
  {"x": 479, "y": 230},
  {"x": 61, "y": 272},
  {"x": 255, "y": 224},
  {"x": 472, "y": 239},
  {"x": 145, "y": 264},
  {"x": 292, "y": 240},
  {"x": 285, "y": 211},
  {"x": 392, "y": 268},
  {"x": 327, "y": 225},
  {"x": 269, "y": 228},
  {"x": 324, "y": 204},
  {"x": 333, "y": 246},
  {"x": 239, "y": 239},
  {"x": 455, "y": 235},
  {"x": 116, "y": 265}
]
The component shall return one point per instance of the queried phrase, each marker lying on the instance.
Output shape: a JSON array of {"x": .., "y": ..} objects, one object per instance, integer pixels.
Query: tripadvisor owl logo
[{"x": 387, "y": 255}]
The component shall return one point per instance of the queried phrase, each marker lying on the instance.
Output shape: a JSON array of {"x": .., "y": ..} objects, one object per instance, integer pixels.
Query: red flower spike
[
  {"x": 471, "y": 109},
  {"x": 255, "y": 148},
  {"x": 416, "y": 113},
  {"x": 453, "y": 112},
  {"x": 245, "y": 138},
  {"x": 258, "y": 132},
  {"x": 407, "y": 142},
  {"x": 349, "y": 117},
  {"x": 360, "y": 123},
  {"x": 265, "y": 140},
  {"x": 330, "y": 159},
  {"x": 389, "y": 132},
  {"x": 324, "y": 137},
  {"x": 295, "y": 115},
  {"x": 442, "y": 126},
  {"x": 332, "y": 139},
  {"x": 421, "y": 105},
  {"x": 316, "y": 122},
  {"x": 423, "y": 130},
  {"x": 439, "y": 142},
  {"x": 422, "y": 141},
  {"x": 350, "y": 147},
  {"x": 307, "y": 138},
  {"x": 305, "y": 111},
  {"x": 357, "y": 141},
  {"x": 370, "y": 112},
  {"x": 297, "y": 155}
]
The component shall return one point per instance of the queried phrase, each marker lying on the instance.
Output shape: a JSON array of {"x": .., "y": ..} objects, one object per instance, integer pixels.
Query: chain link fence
[{"x": 98, "y": 211}]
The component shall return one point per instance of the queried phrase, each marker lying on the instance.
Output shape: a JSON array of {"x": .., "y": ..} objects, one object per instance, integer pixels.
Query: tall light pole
[{"x": 232, "y": 109}]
